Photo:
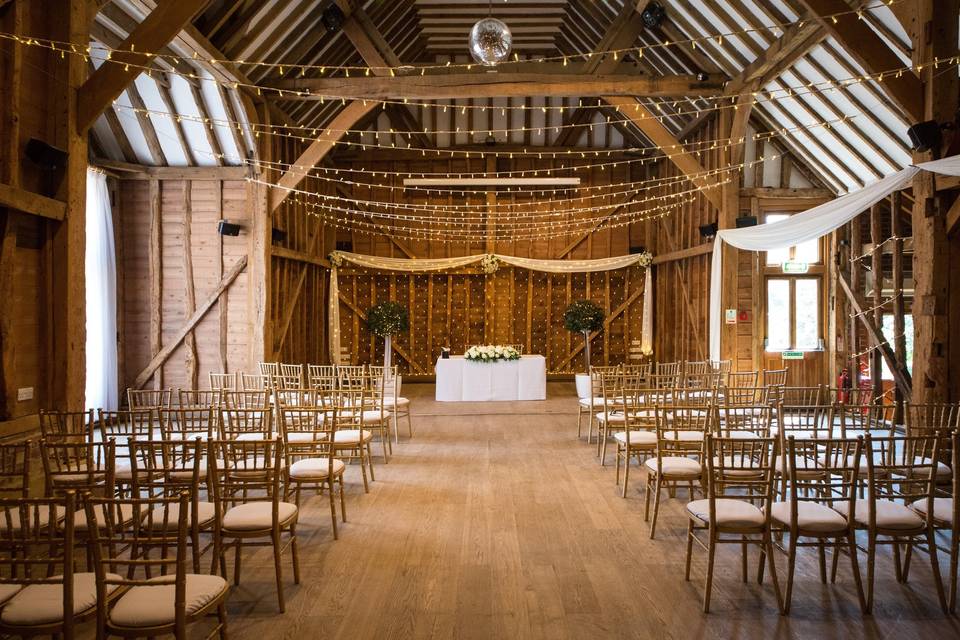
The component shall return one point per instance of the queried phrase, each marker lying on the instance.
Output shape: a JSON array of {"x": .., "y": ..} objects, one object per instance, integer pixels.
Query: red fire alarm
[{"x": 743, "y": 316}]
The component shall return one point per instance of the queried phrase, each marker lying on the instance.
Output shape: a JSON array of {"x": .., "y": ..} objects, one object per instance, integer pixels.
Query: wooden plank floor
[{"x": 495, "y": 522}]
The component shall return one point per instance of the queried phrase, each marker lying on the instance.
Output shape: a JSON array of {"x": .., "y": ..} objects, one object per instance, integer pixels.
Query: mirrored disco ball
[{"x": 490, "y": 41}]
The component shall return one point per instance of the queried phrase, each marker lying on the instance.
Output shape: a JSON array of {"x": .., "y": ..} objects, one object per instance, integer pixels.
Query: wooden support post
[
  {"x": 899, "y": 319},
  {"x": 190, "y": 295},
  {"x": 155, "y": 267},
  {"x": 261, "y": 255},
  {"x": 856, "y": 250},
  {"x": 876, "y": 268}
]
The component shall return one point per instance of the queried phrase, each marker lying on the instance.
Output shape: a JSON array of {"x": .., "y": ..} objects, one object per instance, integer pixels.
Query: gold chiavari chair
[
  {"x": 932, "y": 417},
  {"x": 76, "y": 426},
  {"x": 639, "y": 436},
  {"x": 168, "y": 468},
  {"x": 254, "y": 382},
  {"x": 739, "y": 481},
  {"x": 637, "y": 375},
  {"x": 744, "y": 422},
  {"x": 590, "y": 406},
  {"x": 270, "y": 370},
  {"x": 351, "y": 375},
  {"x": 224, "y": 381},
  {"x": 821, "y": 473},
  {"x": 741, "y": 379},
  {"x": 744, "y": 396},
  {"x": 681, "y": 432},
  {"x": 40, "y": 591},
  {"x": 855, "y": 420},
  {"x": 800, "y": 396},
  {"x": 291, "y": 375},
  {"x": 199, "y": 397},
  {"x": 150, "y": 605},
  {"x": 774, "y": 381},
  {"x": 668, "y": 368},
  {"x": 81, "y": 466},
  {"x": 246, "y": 492},
  {"x": 310, "y": 456},
  {"x": 246, "y": 424},
  {"x": 247, "y": 399},
  {"x": 854, "y": 396},
  {"x": 803, "y": 423},
  {"x": 320, "y": 372},
  {"x": 15, "y": 469},
  {"x": 370, "y": 414},
  {"x": 122, "y": 427},
  {"x": 189, "y": 422},
  {"x": 149, "y": 399},
  {"x": 351, "y": 440},
  {"x": 393, "y": 402},
  {"x": 900, "y": 474},
  {"x": 611, "y": 417}
]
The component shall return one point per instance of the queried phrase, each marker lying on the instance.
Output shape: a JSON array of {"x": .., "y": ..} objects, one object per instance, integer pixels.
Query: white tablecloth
[{"x": 460, "y": 380}]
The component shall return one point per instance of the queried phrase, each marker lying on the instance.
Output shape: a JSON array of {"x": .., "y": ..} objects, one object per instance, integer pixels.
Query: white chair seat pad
[
  {"x": 315, "y": 468},
  {"x": 206, "y": 512},
  {"x": 614, "y": 417},
  {"x": 942, "y": 510},
  {"x": 637, "y": 438},
  {"x": 153, "y": 606},
  {"x": 42, "y": 518},
  {"x": 7, "y": 591},
  {"x": 38, "y": 604},
  {"x": 399, "y": 402},
  {"x": 256, "y": 516},
  {"x": 352, "y": 436},
  {"x": 732, "y": 513},
  {"x": 943, "y": 470},
  {"x": 685, "y": 436},
  {"x": 301, "y": 437},
  {"x": 675, "y": 466},
  {"x": 740, "y": 434},
  {"x": 591, "y": 402},
  {"x": 890, "y": 515},
  {"x": 124, "y": 517},
  {"x": 813, "y": 517}
]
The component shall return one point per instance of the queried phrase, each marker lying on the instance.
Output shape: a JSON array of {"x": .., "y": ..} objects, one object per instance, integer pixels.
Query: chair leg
[
  {"x": 343, "y": 502},
  {"x": 871, "y": 561},
  {"x": 295, "y": 554},
  {"x": 743, "y": 558},
  {"x": 656, "y": 508},
  {"x": 791, "y": 568},
  {"x": 821, "y": 552},
  {"x": 396, "y": 427},
  {"x": 333, "y": 507},
  {"x": 690, "y": 534},
  {"x": 236, "y": 561},
  {"x": 768, "y": 545},
  {"x": 897, "y": 566},
  {"x": 626, "y": 470},
  {"x": 954, "y": 549},
  {"x": 907, "y": 556},
  {"x": 708, "y": 583},
  {"x": 409, "y": 424},
  {"x": 222, "y": 620},
  {"x": 935, "y": 567},
  {"x": 855, "y": 567},
  {"x": 370, "y": 462},
  {"x": 363, "y": 468},
  {"x": 579, "y": 422},
  {"x": 278, "y": 569},
  {"x": 646, "y": 497}
]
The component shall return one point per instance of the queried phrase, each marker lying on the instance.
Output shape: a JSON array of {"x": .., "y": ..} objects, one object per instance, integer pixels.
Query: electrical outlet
[{"x": 24, "y": 393}]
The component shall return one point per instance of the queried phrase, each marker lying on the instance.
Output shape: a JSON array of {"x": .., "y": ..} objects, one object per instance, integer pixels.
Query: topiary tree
[
  {"x": 584, "y": 316},
  {"x": 385, "y": 320}
]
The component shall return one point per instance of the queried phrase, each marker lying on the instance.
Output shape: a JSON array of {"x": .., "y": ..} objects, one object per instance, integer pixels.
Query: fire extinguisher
[{"x": 844, "y": 385}]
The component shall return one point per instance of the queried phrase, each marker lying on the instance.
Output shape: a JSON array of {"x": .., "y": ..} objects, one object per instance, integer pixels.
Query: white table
[{"x": 461, "y": 380}]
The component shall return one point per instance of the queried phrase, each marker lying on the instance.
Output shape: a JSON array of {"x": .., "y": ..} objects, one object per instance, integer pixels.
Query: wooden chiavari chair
[
  {"x": 921, "y": 418},
  {"x": 150, "y": 605},
  {"x": 246, "y": 399},
  {"x": 900, "y": 474},
  {"x": 611, "y": 417},
  {"x": 744, "y": 422},
  {"x": 246, "y": 424},
  {"x": 270, "y": 370},
  {"x": 351, "y": 440},
  {"x": 310, "y": 460},
  {"x": 351, "y": 376},
  {"x": 802, "y": 396},
  {"x": 319, "y": 373},
  {"x": 224, "y": 381},
  {"x": 40, "y": 591},
  {"x": 518, "y": 347},
  {"x": 371, "y": 412},
  {"x": 189, "y": 422},
  {"x": 75, "y": 426},
  {"x": 693, "y": 369},
  {"x": 246, "y": 492},
  {"x": 667, "y": 368},
  {"x": 81, "y": 466},
  {"x": 122, "y": 427},
  {"x": 774, "y": 381},
  {"x": 802, "y": 422},
  {"x": 168, "y": 468},
  {"x": 666, "y": 375},
  {"x": 639, "y": 436},
  {"x": 744, "y": 396},
  {"x": 739, "y": 479},
  {"x": 199, "y": 397},
  {"x": 681, "y": 432},
  {"x": 393, "y": 402},
  {"x": 855, "y": 420},
  {"x": 743, "y": 379},
  {"x": 15, "y": 469},
  {"x": 290, "y": 375},
  {"x": 595, "y": 402},
  {"x": 254, "y": 382},
  {"x": 820, "y": 474},
  {"x": 157, "y": 399},
  {"x": 637, "y": 375}
]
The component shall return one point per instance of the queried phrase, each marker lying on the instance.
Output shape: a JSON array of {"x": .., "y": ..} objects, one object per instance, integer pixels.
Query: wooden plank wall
[{"x": 168, "y": 229}]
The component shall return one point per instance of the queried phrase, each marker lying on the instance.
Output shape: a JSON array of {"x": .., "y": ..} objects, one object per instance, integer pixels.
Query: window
[
  {"x": 891, "y": 337},
  {"x": 793, "y": 302}
]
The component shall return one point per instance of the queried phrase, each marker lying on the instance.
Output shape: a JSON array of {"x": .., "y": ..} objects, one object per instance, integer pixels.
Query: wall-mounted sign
[
  {"x": 730, "y": 316},
  {"x": 791, "y": 355},
  {"x": 794, "y": 266}
]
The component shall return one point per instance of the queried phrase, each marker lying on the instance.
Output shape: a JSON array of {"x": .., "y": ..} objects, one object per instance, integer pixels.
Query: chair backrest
[
  {"x": 15, "y": 469},
  {"x": 799, "y": 396},
  {"x": 932, "y": 417},
  {"x": 597, "y": 373},
  {"x": 351, "y": 376},
  {"x": 124, "y": 426},
  {"x": 299, "y": 397},
  {"x": 288, "y": 381},
  {"x": 78, "y": 466},
  {"x": 199, "y": 397},
  {"x": 269, "y": 369},
  {"x": 854, "y": 396},
  {"x": 744, "y": 396},
  {"x": 37, "y": 549},
  {"x": 858, "y": 419},
  {"x": 741, "y": 469},
  {"x": 247, "y": 399},
  {"x": 668, "y": 368},
  {"x": 254, "y": 382},
  {"x": 739, "y": 379},
  {"x": 244, "y": 424},
  {"x": 164, "y": 468},
  {"x": 822, "y": 470},
  {"x": 901, "y": 468},
  {"x": 681, "y": 430},
  {"x": 721, "y": 366},
  {"x": 149, "y": 398},
  {"x": 777, "y": 377},
  {"x": 744, "y": 421},
  {"x": 806, "y": 421},
  {"x": 387, "y": 379},
  {"x": 245, "y": 471},
  {"x": 322, "y": 376},
  {"x": 695, "y": 368},
  {"x": 187, "y": 423},
  {"x": 224, "y": 381},
  {"x": 77, "y": 426},
  {"x": 707, "y": 381},
  {"x": 637, "y": 373},
  {"x": 308, "y": 433}
]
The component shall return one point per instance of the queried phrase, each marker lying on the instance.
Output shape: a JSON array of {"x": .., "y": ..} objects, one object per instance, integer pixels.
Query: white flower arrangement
[
  {"x": 645, "y": 259},
  {"x": 647, "y": 351},
  {"x": 491, "y": 353},
  {"x": 490, "y": 263},
  {"x": 336, "y": 260}
]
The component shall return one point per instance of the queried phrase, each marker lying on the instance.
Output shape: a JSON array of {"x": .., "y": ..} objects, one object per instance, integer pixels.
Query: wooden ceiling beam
[
  {"x": 651, "y": 127},
  {"x": 156, "y": 31},
  {"x": 796, "y": 40},
  {"x": 871, "y": 52}
]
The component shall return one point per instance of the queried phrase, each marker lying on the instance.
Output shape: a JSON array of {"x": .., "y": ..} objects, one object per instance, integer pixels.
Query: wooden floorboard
[{"x": 495, "y": 522}]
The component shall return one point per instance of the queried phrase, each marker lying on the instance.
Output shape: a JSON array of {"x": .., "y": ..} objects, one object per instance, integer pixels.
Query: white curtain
[
  {"x": 101, "y": 295},
  {"x": 809, "y": 225}
]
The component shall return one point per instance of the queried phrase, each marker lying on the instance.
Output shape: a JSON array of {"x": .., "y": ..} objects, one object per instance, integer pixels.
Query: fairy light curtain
[
  {"x": 809, "y": 225},
  {"x": 490, "y": 263}
]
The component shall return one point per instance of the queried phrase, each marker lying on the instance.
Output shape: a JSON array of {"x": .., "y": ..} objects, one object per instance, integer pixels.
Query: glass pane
[
  {"x": 778, "y": 315},
  {"x": 808, "y": 251},
  {"x": 891, "y": 336},
  {"x": 777, "y": 256},
  {"x": 808, "y": 310}
]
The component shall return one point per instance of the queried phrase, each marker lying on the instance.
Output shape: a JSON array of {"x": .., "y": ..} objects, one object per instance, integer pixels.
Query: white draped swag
[
  {"x": 421, "y": 265},
  {"x": 809, "y": 225},
  {"x": 101, "y": 295}
]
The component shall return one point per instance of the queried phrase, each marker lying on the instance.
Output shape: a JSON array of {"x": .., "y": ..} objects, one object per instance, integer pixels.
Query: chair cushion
[
  {"x": 740, "y": 434},
  {"x": 153, "y": 606},
  {"x": 38, "y": 604},
  {"x": 611, "y": 416},
  {"x": 80, "y": 517},
  {"x": 399, "y": 402},
  {"x": 43, "y": 517},
  {"x": 942, "y": 510},
  {"x": 300, "y": 437},
  {"x": 676, "y": 466},
  {"x": 732, "y": 513},
  {"x": 591, "y": 402},
  {"x": 7, "y": 591},
  {"x": 315, "y": 468},
  {"x": 806, "y": 469},
  {"x": 817, "y": 518},
  {"x": 686, "y": 436},
  {"x": 638, "y": 438},
  {"x": 890, "y": 515},
  {"x": 255, "y": 516},
  {"x": 352, "y": 436},
  {"x": 943, "y": 470},
  {"x": 206, "y": 512}
]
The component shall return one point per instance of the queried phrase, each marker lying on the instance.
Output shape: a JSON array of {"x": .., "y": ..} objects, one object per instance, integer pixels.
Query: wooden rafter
[
  {"x": 109, "y": 81},
  {"x": 29, "y": 202},
  {"x": 796, "y": 40}
]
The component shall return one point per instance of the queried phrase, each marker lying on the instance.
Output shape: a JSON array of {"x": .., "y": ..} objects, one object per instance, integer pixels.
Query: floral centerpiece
[
  {"x": 645, "y": 259},
  {"x": 491, "y": 353},
  {"x": 490, "y": 264},
  {"x": 385, "y": 320}
]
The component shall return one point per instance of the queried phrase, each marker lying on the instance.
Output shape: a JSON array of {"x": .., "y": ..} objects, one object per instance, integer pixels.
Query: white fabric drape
[
  {"x": 809, "y": 225},
  {"x": 333, "y": 317},
  {"x": 646, "y": 336},
  {"x": 101, "y": 296}
]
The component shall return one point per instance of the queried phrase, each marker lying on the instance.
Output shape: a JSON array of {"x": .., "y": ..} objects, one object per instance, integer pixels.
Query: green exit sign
[
  {"x": 793, "y": 266},
  {"x": 791, "y": 355}
]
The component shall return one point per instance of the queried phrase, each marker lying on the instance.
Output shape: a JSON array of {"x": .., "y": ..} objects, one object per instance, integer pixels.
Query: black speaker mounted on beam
[
  {"x": 332, "y": 18},
  {"x": 225, "y": 228},
  {"x": 708, "y": 231},
  {"x": 51, "y": 160},
  {"x": 925, "y": 136},
  {"x": 746, "y": 221}
]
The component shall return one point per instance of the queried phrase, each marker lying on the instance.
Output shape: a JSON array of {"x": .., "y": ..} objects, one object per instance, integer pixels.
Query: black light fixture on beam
[
  {"x": 925, "y": 136},
  {"x": 746, "y": 221},
  {"x": 708, "y": 231},
  {"x": 332, "y": 18},
  {"x": 654, "y": 15},
  {"x": 226, "y": 228},
  {"x": 278, "y": 235}
]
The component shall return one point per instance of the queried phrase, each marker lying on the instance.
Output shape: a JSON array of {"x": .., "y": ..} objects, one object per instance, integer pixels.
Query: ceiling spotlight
[
  {"x": 332, "y": 18},
  {"x": 654, "y": 15},
  {"x": 702, "y": 77}
]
